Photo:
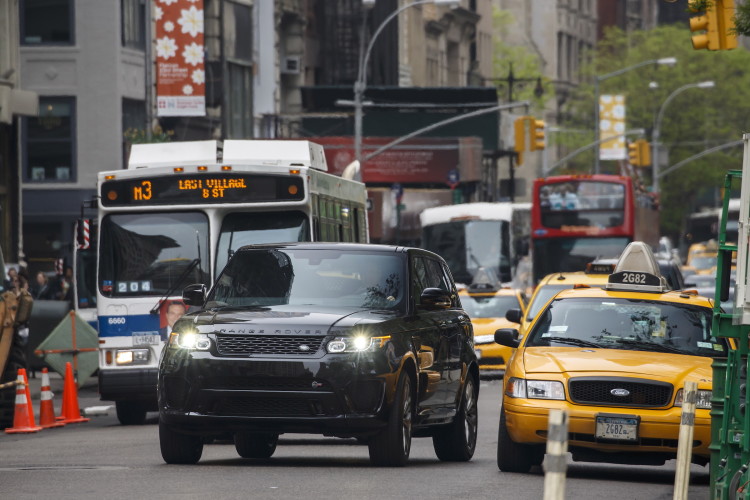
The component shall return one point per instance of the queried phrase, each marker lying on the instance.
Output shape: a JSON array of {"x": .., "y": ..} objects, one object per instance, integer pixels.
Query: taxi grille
[
  {"x": 632, "y": 392},
  {"x": 247, "y": 345}
]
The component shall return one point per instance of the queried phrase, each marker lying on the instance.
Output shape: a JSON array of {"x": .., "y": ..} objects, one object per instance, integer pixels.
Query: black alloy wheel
[
  {"x": 391, "y": 446},
  {"x": 457, "y": 441}
]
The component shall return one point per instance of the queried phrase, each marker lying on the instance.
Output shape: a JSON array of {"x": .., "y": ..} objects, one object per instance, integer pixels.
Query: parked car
[{"x": 346, "y": 340}]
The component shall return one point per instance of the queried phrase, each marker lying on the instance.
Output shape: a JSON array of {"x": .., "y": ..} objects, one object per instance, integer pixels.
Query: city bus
[
  {"x": 470, "y": 236},
  {"x": 175, "y": 216},
  {"x": 576, "y": 219}
]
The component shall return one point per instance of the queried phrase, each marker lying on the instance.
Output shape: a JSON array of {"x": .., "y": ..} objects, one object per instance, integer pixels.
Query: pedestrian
[{"x": 43, "y": 289}]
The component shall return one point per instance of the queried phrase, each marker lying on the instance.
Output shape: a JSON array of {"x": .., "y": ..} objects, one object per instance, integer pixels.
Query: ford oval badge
[
  {"x": 304, "y": 347},
  {"x": 621, "y": 393}
]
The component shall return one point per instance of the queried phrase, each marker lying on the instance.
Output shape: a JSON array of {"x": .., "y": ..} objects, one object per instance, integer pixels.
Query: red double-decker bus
[{"x": 578, "y": 218}]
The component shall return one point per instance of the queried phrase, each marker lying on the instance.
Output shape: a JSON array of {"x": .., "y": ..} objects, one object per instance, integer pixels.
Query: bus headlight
[
  {"x": 535, "y": 389},
  {"x": 357, "y": 343},
  {"x": 131, "y": 356},
  {"x": 190, "y": 340},
  {"x": 702, "y": 399}
]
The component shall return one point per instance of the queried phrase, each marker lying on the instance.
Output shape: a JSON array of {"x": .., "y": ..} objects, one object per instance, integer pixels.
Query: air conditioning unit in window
[{"x": 291, "y": 65}]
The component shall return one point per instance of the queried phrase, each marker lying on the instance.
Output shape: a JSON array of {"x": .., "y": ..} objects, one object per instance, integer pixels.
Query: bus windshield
[
  {"x": 572, "y": 254},
  {"x": 239, "y": 229},
  {"x": 147, "y": 254},
  {"x": 467, "y": 245},
  {"x": 582, "y": 204}
]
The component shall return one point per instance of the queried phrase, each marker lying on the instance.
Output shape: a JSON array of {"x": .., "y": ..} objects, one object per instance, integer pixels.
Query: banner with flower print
[{"x": 180, "y": 75}]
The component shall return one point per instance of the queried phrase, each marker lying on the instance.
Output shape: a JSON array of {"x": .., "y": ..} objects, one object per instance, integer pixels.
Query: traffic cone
[
  {"x": 23, "y": 418},
  {"x": 46, "y": 406},
  {"x": 71, "y": 413}
]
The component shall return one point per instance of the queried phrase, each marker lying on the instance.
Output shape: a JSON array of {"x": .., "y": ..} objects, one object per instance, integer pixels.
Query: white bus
[
  {"x": 175, "y": 216},
  {"x": 493, "y": 236}
]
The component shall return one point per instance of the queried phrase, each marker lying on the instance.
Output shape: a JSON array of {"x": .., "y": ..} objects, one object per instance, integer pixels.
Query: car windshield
[
  {"x": 488, "y": 306},
  {"x": 629, "y": 324},
  {"x": 703, "y": 262},
  {"x": 541, "y": 297},
  {"x": 300, "y": 276}
]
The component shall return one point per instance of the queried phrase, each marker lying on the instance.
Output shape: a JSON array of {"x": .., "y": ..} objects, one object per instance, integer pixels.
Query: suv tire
[
  {"x": 177, "y": 448},
  {"x": 391, "y": 446},
  {"x": 457, "y": 441},
  {"x": 255, "y": 445}
]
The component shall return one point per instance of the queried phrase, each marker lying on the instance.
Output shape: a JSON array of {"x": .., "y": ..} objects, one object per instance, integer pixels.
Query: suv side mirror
[
  {"x": 435, "y": 298},
  {"x": 514, "y": 315},
  {"x": 507, "y": 337},
  {"x": 194, "y": 295}
]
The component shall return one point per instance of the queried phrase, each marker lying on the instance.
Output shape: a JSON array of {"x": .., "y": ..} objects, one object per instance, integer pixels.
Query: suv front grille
[
  {"x": 599, "y": 391},
  {"x": 247, "y": 345}
]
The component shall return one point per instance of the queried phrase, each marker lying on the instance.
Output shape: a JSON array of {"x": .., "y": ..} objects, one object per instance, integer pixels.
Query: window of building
[
  {"x": 49, "y": 141},
  {"x": 134, "y": 24},
  {"x": 238, "y": 50},
  {"x": 47, "y": 22},
  {"x": 133, "y": 119}
]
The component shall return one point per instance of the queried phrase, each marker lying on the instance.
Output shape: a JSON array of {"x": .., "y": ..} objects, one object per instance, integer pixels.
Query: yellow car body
[
  {"x": 487, "y": 312},
  {"x": 593, "y": 378}
]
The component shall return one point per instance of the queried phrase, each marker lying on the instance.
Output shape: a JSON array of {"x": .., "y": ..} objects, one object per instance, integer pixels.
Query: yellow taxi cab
[
  {"x": 616, "y": 359},
  {"x": 550, "y": 285},
  {"x": 486, "y": 305},
  {"x": 701, "y": 258}
]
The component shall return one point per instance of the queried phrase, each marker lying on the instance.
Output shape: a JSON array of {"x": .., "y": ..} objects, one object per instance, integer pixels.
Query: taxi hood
[{"x": 576, "y": 362}]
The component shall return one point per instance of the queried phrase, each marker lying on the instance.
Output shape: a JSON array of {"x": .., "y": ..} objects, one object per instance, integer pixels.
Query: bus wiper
[
  {"x": 193, "y": 264},
  {"x": 651, "y": 346},
  {"x": 572, "y": 341}
]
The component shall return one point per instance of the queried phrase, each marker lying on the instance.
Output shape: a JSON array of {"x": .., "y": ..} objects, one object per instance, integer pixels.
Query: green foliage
[
  {"x": 141, "y": 135},
  {"x": 741, "y": 19},
  {"x": 694, "y": 120}
]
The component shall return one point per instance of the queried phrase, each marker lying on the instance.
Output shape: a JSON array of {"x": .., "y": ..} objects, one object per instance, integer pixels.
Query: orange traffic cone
[
  {"x": 71, "y": 413},
  {"x": 46, "y": 406},
  {"x": 23, "y": 418}
]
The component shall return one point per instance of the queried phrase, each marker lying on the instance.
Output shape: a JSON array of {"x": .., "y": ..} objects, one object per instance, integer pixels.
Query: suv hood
[{"x": 578, "y": 361}]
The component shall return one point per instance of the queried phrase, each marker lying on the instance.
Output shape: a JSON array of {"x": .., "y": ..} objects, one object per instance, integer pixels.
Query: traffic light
[
  {"x": 536, "y": 134},
  {"x": 519, "y": 127},
  {"x": 639, "y": 153},
  {"x": 717, "y": 21}
]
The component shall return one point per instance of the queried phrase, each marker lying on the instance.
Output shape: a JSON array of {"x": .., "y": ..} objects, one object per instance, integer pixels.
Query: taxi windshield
[
  {"x": 488, "y": 306},
  {"x": 544, "y": 293},
  {"x": 627, "y": 324},
  {"x": 703, "y": 262}
]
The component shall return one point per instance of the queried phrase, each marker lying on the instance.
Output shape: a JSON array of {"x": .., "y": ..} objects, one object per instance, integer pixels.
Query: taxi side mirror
[
  {"x": 513, "y": 315},
  {"x": 507, "y": 337},
  {"x": 194, "y": 295},
  {"x": 435, "y": 298}
]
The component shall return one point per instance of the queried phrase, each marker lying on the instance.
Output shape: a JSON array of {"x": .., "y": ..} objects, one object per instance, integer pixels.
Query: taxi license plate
[
  {"x": 617, "y": 428},
  {"x": 145, "y": 339}
]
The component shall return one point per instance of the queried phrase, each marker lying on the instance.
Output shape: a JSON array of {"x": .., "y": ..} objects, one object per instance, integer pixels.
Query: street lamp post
[
  {"x": 361, "y": 83},
  {"x": 657, "y": 127},
  {"x": 668, "y": 61}
]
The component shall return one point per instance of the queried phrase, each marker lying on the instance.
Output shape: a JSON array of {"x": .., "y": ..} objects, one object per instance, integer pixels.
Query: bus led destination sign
[{"x": 202, "y": 189}]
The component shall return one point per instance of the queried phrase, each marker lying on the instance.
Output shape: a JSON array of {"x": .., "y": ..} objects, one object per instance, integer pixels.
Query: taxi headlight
[
  {"x": 190, "y": 340},
  {"x": 357, "y": 343},
  {"x": 131, "y": 356},
  {"x": 702, "y": 399},
  {"x": 535, "y": 389}
]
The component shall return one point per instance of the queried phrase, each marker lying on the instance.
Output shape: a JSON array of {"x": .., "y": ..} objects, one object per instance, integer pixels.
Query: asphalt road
[{"x": 101, "y": 459}]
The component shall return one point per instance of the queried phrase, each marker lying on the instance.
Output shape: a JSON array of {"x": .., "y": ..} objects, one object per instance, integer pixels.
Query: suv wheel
[
  {"x": 179, "y": 448},
  {"x": 255, "y": 445},
  {"x": 130, "y": 412},
  {"x": 457, "y": 441},
  {"x": 391, "y": 447},
  {"x": 515, "y": 457}
]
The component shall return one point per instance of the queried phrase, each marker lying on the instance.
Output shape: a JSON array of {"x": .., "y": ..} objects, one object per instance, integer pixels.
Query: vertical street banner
[
  {"x": 612, "y": 123},
  {"x": 180, "y": 74}
]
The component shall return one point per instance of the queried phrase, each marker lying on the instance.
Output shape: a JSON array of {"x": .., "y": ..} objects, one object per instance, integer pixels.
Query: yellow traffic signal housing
[
  {"x": 634, "y": 154},
  {"x": 644, "y": 152},
  {"x": 519, "y": 129},
  {"x": 536, "y": 134},
  {"x": 718, "y": 23}
]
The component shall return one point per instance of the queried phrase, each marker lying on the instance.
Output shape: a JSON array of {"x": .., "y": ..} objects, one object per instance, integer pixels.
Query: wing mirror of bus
[
  {"x": 507, "y": 337},
  {"x": 435, "y": 298},
  {"x": 726, "y": 272},
  {"x": 514, "y": 315},
  {"x": 194, "y": 295}
]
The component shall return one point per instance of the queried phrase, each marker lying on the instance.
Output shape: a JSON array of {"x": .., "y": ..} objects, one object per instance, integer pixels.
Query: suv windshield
[
  {"x": 629, "y": 324},
  {"x": 297, "y": 276}
]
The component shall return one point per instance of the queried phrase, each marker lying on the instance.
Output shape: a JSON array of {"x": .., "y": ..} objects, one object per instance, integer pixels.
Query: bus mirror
[
  {"x": 513, "y": 315},
  {"x": 726, "y": 269},
  {"x": 194, "y": 295}
]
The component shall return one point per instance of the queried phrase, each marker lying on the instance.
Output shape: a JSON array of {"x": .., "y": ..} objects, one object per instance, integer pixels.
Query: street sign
[{"x": 398, "y": 191}]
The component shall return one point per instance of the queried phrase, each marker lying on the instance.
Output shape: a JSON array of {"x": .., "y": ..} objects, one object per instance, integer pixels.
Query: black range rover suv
[{"x": 346, "y": 340}]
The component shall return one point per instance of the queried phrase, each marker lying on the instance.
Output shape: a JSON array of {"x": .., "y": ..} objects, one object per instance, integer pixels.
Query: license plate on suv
[{"x": 617, "y": 428}]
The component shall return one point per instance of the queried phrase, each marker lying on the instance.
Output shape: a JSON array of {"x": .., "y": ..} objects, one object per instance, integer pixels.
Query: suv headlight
[
  {"x": 535, "y": 389},
  {"x": 357, "y": 343},
  {"x": 190, "y": 340},
  {"x": 702, "y": 399}
]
